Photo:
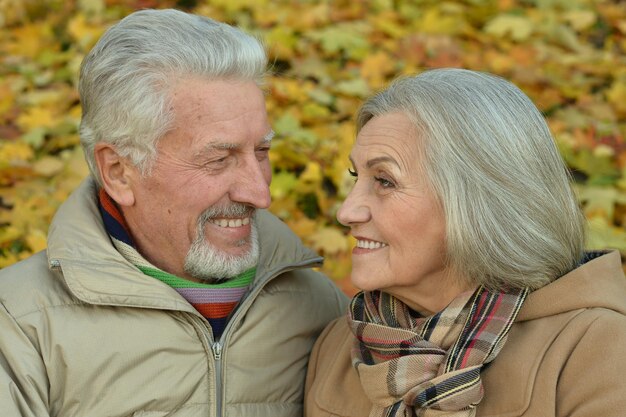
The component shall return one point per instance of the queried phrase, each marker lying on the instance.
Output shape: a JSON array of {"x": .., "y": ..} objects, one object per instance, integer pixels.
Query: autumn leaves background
[{"x": 569, "y": 56}]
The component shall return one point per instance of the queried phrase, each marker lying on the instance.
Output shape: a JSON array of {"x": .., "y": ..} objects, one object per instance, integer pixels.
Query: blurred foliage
[{"x": 569, "y": 56}]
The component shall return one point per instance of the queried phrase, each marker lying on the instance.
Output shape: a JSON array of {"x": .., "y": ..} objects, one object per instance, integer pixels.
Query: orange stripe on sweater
[{"x": 215, "y": 310}]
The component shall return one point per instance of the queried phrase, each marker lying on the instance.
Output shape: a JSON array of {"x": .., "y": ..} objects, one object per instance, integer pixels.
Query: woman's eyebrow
[
  {"x": 381, "y": 160},
  {"x": 375, "y": 161}
]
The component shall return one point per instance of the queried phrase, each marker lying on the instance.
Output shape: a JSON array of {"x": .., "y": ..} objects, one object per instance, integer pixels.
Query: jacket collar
[
  {"x": 599, "y": 282},
  {"x": 96, "y": 273}
]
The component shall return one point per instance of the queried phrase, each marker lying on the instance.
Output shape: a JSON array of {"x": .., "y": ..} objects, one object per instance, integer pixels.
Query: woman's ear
[{"x": 117, "y": 174}]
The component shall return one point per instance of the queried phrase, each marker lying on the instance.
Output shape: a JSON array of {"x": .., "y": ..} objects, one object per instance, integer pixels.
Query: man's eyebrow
[
  {"x": 218, "y": 144},
  {"x": 268, "y": 138}
]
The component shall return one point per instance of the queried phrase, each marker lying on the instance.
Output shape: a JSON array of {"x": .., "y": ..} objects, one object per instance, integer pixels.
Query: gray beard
[{"x": 212, "y": 266}]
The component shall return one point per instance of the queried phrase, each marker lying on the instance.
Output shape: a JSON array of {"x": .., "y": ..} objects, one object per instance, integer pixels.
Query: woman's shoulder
[
  {"x": 540, "y": 366},
  {"x": 336, "y": 331},
  {"x": 333, "y": 387}
]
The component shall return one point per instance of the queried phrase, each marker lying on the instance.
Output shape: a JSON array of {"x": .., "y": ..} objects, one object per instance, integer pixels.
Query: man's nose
[{"x": 252, "y": 185}]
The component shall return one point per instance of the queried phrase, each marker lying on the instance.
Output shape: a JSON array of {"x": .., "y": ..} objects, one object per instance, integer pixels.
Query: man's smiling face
[{"x": 196, "y": 206}]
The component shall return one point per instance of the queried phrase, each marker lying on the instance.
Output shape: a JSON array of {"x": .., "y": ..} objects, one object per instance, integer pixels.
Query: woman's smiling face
[{"x": 395, "y": 217}]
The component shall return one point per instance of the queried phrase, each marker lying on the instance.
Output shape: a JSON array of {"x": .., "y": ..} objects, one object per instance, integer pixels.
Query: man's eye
[
  {"x": 217, "y": 162},
  {"x": 262, "y": 154}
]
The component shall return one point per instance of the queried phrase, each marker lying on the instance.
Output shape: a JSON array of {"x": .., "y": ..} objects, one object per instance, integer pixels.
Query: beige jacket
[
  {"x": 565, "y": 355},
  {"x": 83, "y": 333}
]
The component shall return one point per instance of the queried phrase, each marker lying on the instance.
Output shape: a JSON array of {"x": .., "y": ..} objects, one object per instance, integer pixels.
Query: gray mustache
[{"x": 232, "y": 210}]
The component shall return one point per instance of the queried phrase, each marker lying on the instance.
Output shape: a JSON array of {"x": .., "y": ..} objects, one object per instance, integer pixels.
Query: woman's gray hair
[
  {"x": 124, "y": 80},
  {"x": 512, "y": 219}
]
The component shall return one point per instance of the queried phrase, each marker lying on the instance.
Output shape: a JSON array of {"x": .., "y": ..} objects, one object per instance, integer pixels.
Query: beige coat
[
  {"x": 565, "y": 355},
  {"x": 83, "y": 333}
]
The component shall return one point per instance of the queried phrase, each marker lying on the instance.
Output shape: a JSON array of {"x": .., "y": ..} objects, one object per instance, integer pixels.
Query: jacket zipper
[
  {"x": 219, "y": 347},
  {"x": 216, "y": 347}
]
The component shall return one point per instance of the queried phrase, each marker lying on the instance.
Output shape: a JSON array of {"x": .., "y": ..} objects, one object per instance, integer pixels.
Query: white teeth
[
  {"x": 231, "y": 222},
  {"x": 370, "y": 244}
]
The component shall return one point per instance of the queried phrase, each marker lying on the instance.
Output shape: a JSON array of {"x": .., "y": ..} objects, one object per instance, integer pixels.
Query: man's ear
[{"x": 116, "y": 172}]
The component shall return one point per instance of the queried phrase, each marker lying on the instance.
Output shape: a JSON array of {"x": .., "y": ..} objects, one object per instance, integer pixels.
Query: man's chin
[{"x": 211, "y": 264}]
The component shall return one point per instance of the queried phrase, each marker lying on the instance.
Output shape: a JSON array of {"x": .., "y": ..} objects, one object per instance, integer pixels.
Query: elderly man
[{"x": 166, "y": 289}]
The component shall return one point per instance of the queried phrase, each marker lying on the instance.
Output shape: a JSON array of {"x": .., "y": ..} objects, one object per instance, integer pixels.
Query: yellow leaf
[
  {"x": 600, "y": 201},
  {"x": 48, "y": 166},
  {"x": 12, "y": 152},
  {"x": 312, "y": 174},
  {"x": 9, "y": 234},
  {"x": 434, "y": 21},
  {"x": 310, "y": 15},
  {"x": 284, "y": 208},
  {"x": 7, "y": 98},
  {"x": 35, "y": 117},
  {"x": 49, "y": 97},
  {"x": 30, "y": 40},
  {"x": 76, "y": 164},
  {"x": 518, "y": 28},
  {"x": 603, "y": 234},
  {"x": 11, "y": 11},
  {"x": 356, "y": 87},
  {"x": 328, "y": 240},
  {"x": 338, "y": 170},
  {"x": 376, "y": 67},
  {"x": 84, "y": 33},
  {"x": 314, "y": 113},
  {"x": 338, "y": 268},
  {"x": 282, "y": 184},
  {"x": 8, "y": 259},
  {"x": 580, "y": 19},
  {"x": 347, "y": 37},
  {"x": 388, "y": 23},
  {"x": 36, "y": 240},
  {"x": 232, "y": 6},
  {"x": 290, "y": 90},
  {"x": 498, "y": 62},
  {"x": 617, "y": 96},
  {"x": 282, "y": 41},
  {"x": 91, "y": 7},
  {"x": 302, "y": 226}
]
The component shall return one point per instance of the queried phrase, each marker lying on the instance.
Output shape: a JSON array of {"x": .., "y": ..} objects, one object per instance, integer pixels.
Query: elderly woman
[{"x": 478, "y": 297}]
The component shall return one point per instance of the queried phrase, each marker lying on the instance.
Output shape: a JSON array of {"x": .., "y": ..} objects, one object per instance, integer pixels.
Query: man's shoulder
[
  {"x": 308, "y": 281},
  {"x": 309, "y": 290},
  {"x": 20, "y": 272},
  {"x": 30, "y": 285}
]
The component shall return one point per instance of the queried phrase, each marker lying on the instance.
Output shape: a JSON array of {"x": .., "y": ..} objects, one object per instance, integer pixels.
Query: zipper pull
[{"x": 217, "y": 350}]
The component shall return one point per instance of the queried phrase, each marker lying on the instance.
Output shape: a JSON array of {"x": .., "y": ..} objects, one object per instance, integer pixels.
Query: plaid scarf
[{"x": 428, "y": 366}]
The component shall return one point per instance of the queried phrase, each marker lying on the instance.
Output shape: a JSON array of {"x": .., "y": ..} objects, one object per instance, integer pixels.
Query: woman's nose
[{"x": 354, "y": 209}]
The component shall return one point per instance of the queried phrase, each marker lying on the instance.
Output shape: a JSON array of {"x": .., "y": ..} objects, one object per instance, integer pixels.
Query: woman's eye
[
  {"x": 385, "y": 183},
  {"x": 353, "y": 174}
]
